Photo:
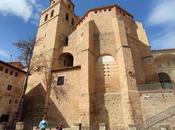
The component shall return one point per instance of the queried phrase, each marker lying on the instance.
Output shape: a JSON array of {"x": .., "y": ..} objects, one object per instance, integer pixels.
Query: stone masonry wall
[
  {"x": 154, "y": 103},
  {"x": 65, "y": 98}
]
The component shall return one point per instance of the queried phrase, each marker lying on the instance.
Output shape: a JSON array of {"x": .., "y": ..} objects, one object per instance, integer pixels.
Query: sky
[{"x": 19, "y": 20}]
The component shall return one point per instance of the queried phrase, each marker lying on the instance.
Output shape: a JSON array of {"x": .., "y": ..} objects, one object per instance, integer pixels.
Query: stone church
[{"x": 96, "y": 71}]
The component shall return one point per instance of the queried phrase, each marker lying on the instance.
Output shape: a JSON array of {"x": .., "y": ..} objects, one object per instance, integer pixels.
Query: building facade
[
  {"x": 11, "y": 87},
  {"x": 89, "y": 71},
  {"x": 165, "y": 62},
  {"x": 157, "y": 100}
]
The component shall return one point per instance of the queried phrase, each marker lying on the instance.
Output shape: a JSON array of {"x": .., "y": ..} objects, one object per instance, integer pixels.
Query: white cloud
[
  {"x": 25, "y": 9},
  {"x": 162, "y": 12},
  {"x": 4, "y": 53},
  {"x": 162, "y": 17}
]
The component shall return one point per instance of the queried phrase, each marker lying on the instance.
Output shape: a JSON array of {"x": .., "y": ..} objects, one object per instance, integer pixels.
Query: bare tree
[
  {"x": 43, "y": 65},
  {"x": 25, "y": 48},
  {"x": 40, "y": 64}
]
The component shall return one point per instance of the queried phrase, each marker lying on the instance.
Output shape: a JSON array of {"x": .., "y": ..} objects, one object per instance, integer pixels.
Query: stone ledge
[{"x": 67, "y": 68}]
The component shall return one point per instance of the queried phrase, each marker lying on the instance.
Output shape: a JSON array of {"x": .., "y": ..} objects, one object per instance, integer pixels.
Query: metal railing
[
  {"x": 158, "y": 118},
  {"x": 157, "y": 87}
]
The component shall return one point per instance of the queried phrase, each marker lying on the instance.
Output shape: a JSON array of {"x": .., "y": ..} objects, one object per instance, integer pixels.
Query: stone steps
[{"x": 158, "y": 118}]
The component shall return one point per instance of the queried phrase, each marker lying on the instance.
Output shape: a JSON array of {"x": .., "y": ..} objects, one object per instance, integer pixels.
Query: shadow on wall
[
  {"x": 144, "y": 65},
  {"x": 100, "y": 113},
  {"x": 33, "y": 109}
]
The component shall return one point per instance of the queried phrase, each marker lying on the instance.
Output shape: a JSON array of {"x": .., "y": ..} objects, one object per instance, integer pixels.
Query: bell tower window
[
  {"x": 52, "y": 13},
  {"x": 66, "y": 60},
  {"x": 67, "y": 17},
  {"x": 46, "y": 17}
]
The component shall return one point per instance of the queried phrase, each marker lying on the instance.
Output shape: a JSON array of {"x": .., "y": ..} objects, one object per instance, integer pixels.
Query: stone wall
[
  {"x": 65, "y": 98},
  {"x": 167, "y": 124},
  {"x": 50, "y": 38},
  {"x": 11, "y": 88},
  {"x": 155, "y": 103}
]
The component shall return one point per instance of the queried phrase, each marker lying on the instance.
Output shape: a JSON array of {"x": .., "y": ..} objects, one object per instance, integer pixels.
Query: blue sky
[{"x": 19, "y": 20}]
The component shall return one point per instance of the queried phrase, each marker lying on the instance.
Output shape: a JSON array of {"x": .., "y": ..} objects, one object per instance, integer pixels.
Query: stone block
[
  {"x": 73, "y": 128},
  {"x": 102, "y": 126},
  {"x": 20, "y": 126},
  {"x": 132, "y": 127},
  {"x": 35, "y": 128},
  {"x": 2, "y": 125}
]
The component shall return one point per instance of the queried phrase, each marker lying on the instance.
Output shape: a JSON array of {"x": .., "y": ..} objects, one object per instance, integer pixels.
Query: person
[
  {"x": 59, "y": 127},
  {"x": 43, "y": 124}
]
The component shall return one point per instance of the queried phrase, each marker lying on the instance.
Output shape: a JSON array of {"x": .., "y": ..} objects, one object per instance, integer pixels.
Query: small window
[
  {"x": 72, "y": 22},
  {"x": 66, "y": 40},
  {"x": 60, "y": 80},
  {"x": 69, "y": 6},
  {"x": 65, "y": 62},
  {"x": 53, "y": 2},
  {"x": 52, "y": 13},
  {"x": 5, "y": 117},
  {"x": 1, "y": 68},
  {"x": 46, "y": 17},
  {"x": 10, "y": 101},
  {"x": 6, "y": 70},
  {"x": 109, "y": 9},
  {"x": 11, "y": 72},
  {"x": 67, "y": 17},
  {"x": 16, "y": 74},
  {"x": 9, "y": 87},
  {"x": 16, "y": 101},
  {"x": 95, "y": 11}
]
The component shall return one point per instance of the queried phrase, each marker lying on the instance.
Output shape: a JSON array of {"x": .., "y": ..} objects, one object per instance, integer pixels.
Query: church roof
[{"x": 105, "y": 7}]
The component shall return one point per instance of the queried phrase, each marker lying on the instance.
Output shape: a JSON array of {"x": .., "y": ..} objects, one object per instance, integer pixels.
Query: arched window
[
  {"x": 67, "y": 17},
  {"x": 66, "y": 60},
  {"x": 53, "y": 2},
  {"x": 106, "y": 76},
  {"x": 46, "y": 17},
  {"x": 52, "y": 13},
  {"x": 105, "y": 59},
  {"x": 164, "y": 78}
]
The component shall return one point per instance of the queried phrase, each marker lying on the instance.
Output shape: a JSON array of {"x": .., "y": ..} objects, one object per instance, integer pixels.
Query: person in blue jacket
[{"x": 43, "y": 124}]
